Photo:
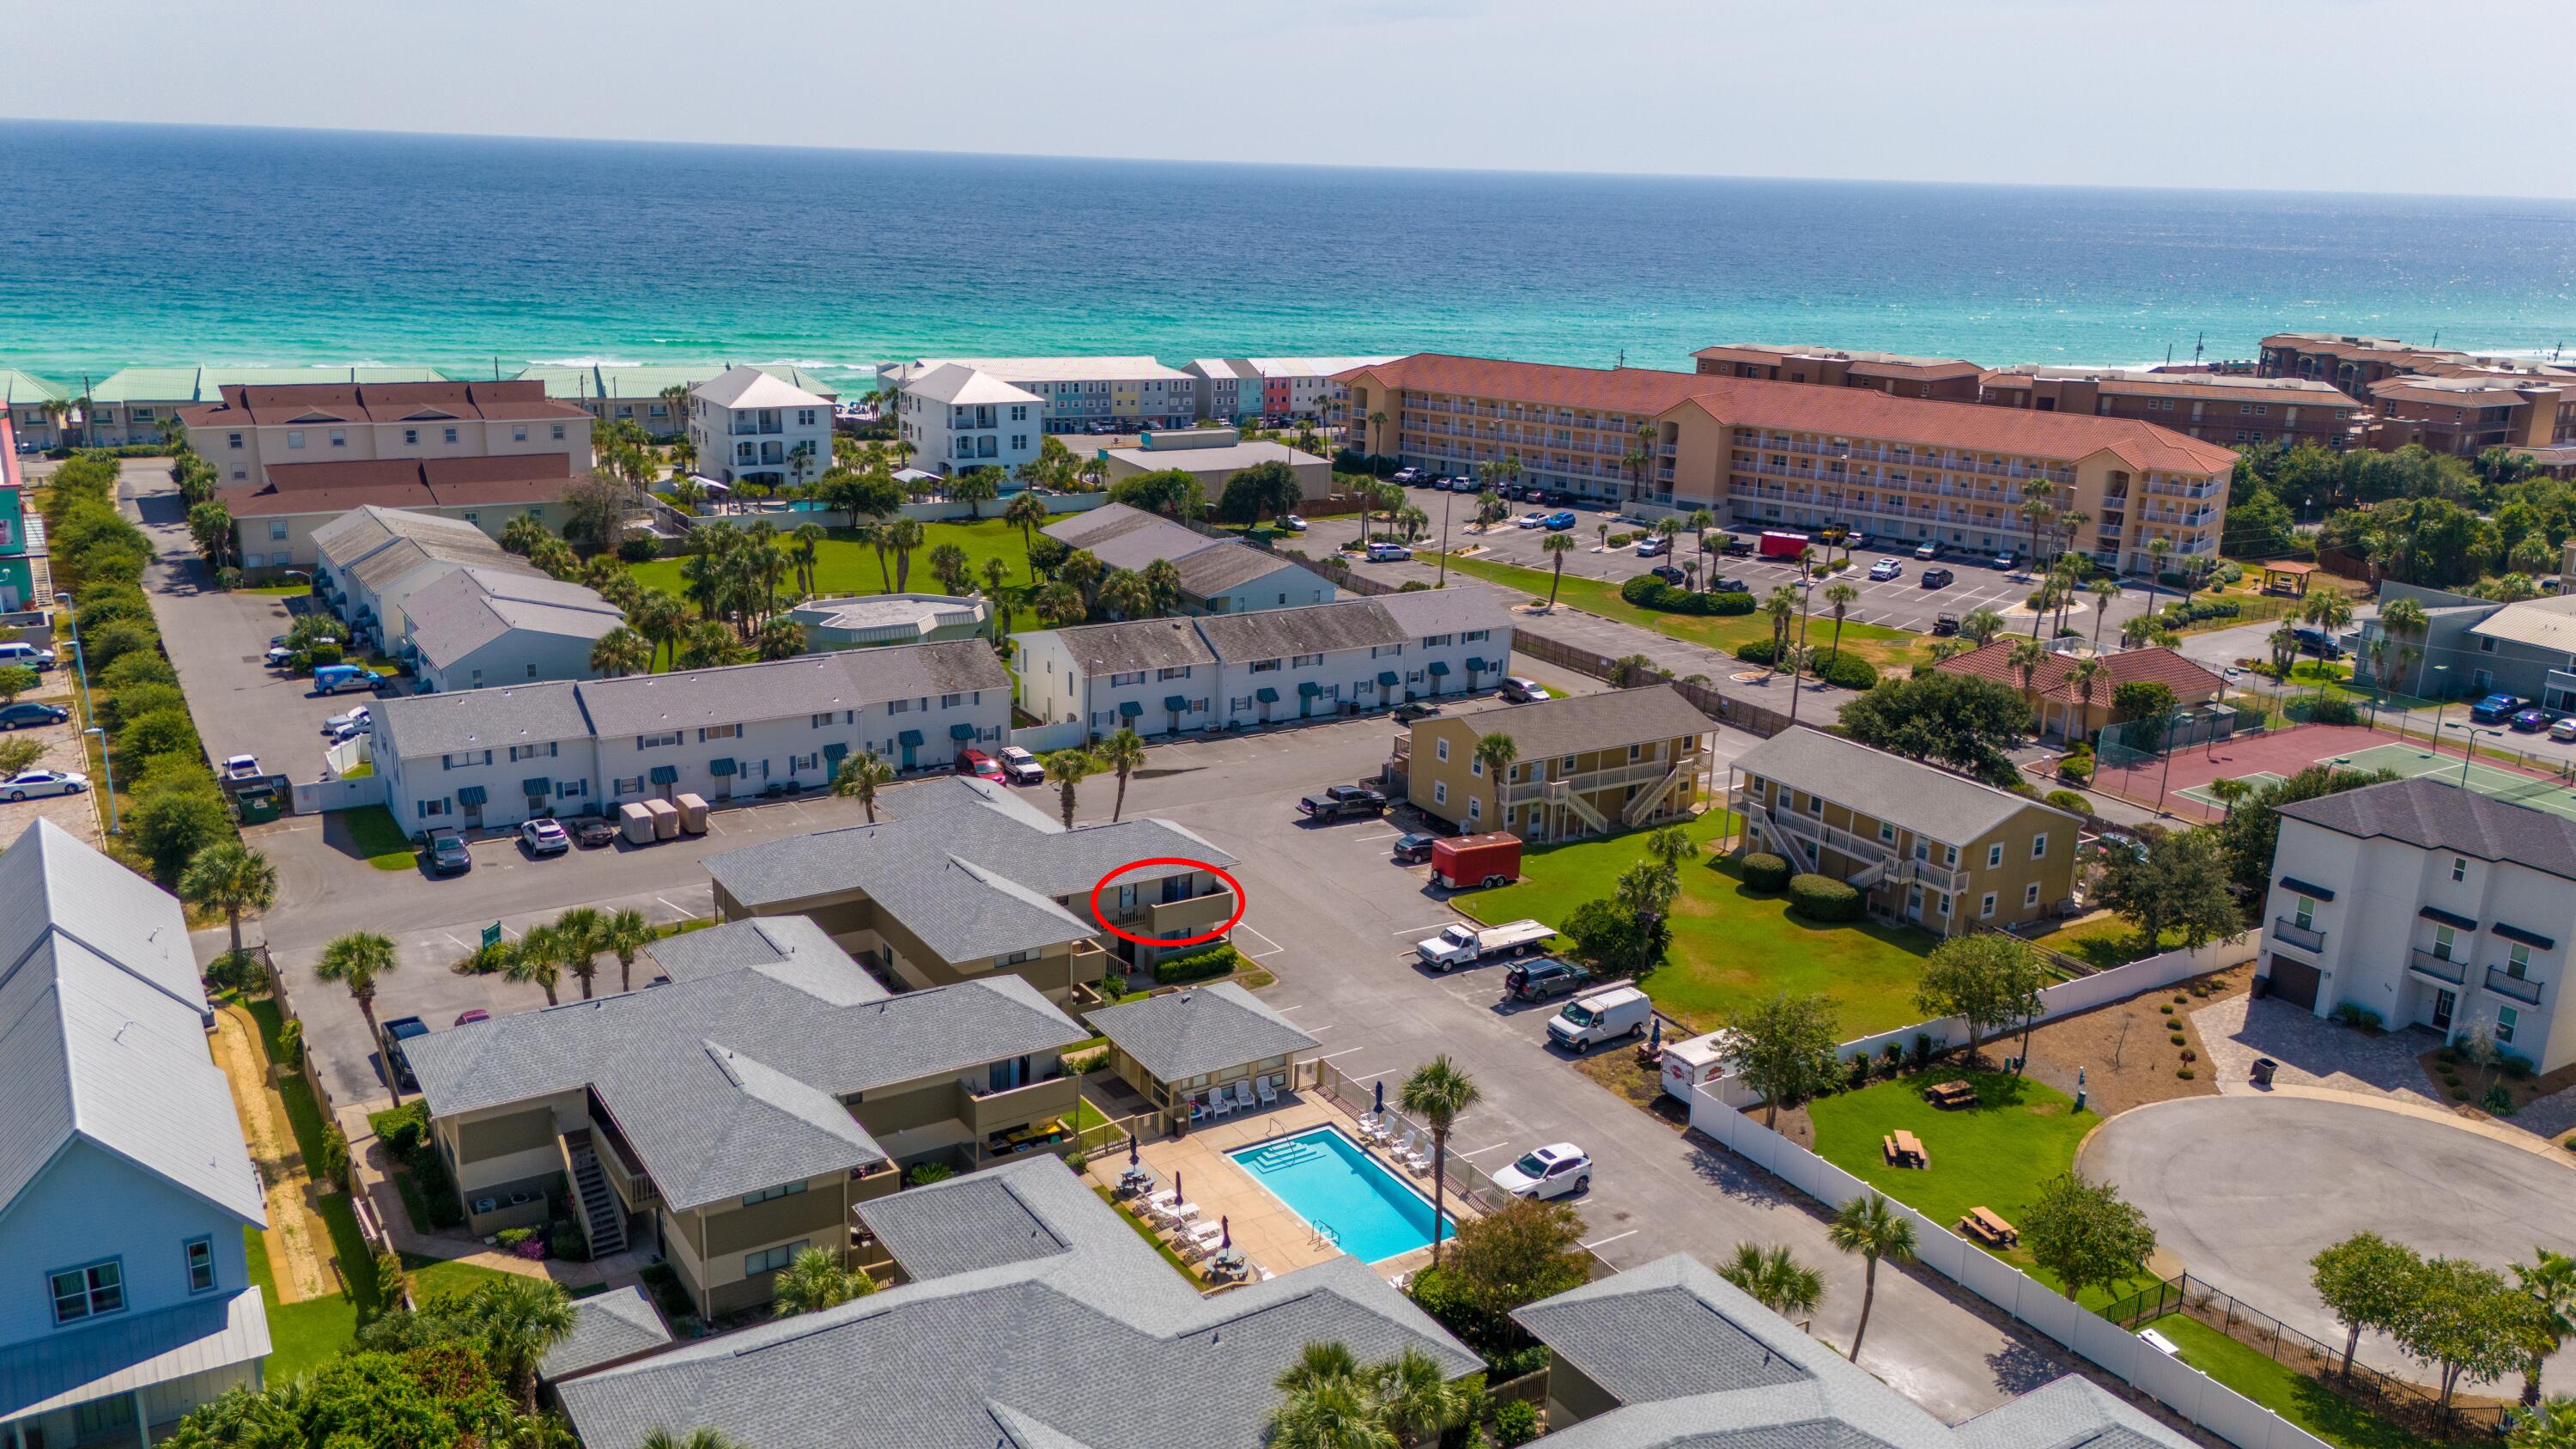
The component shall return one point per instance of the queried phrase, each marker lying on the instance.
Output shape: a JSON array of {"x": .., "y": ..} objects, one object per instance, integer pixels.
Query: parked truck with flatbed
[{"x": 1465, "y": 943}]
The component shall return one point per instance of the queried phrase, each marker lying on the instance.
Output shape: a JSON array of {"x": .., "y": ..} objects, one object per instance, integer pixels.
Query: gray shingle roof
[
  {"x": 620, "y": 1323},
  {"x": 1135, "y": 644},
  {"x": 1182, "y": 1034},
  {"x": 1453, "y": 610},
  {"x": 360, "y": 531},
  {"x": 1098, "y": 1345},
  {"x": 980, "y": 1223},
  {"x": 966, "y": 866},
  {"x": 1130, "y": 538},
  {"x": 1314, "y": 629},
  {"x": 1580, "y": 722},
  {"x": 1661, "y": 1336},
  {"x": 2431, "y": 815},
  {"x": 1909, "y": 795},
  {"x": 785, "y": 688},
  {"x": 1231, "y": 565},
  {"x": 102, "y": 1028},
  {"x": 464, "y": 610},
  {"x": 400, "y": 556},
  {"x": 417, "y": 725},
  {"x": 727, "y": 1081}
]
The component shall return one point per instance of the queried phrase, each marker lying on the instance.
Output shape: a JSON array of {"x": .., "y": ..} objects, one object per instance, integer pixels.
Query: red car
[{"x": 980, "y": 765}]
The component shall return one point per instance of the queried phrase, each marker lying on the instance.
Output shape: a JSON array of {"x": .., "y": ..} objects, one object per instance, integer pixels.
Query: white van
[{"x": 1604, "y": 1016}]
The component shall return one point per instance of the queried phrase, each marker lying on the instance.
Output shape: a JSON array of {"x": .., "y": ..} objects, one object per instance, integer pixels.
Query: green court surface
[
  {"x": 2201, "y": 794},
  {"x": 2556, "y": 796}
]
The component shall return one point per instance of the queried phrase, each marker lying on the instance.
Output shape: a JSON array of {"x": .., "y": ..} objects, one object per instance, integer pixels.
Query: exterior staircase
[
  {"x": 1560, "y": 792},
  {"x": 1644, "y": 806},
  {"x": 1777, "y": 839},
  {"x": 602, "y": 1219}
]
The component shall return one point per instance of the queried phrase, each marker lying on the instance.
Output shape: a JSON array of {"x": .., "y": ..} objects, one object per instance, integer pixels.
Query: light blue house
[{"x": 125, "y": 1300}]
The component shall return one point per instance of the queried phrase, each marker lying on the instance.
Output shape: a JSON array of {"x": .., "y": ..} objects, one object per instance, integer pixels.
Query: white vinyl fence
[{"x": 2082, "y": 994}]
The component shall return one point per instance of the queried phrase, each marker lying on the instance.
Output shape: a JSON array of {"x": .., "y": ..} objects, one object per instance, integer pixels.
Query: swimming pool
[{"x": 1326, "y": 1179}]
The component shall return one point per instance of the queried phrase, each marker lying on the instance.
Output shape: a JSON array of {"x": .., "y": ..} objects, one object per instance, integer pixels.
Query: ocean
[{"x": 125, "y": 245}]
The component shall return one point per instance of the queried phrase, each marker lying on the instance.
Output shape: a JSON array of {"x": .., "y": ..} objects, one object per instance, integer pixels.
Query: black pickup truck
[{"x": 1341, "y": 801}]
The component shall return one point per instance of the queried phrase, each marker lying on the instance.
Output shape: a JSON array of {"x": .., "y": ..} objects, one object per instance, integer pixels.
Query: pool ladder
[{"x": 1324, "y": 1235}]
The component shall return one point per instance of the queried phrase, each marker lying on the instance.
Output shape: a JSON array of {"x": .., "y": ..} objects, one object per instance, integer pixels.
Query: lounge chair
[
  {"x": 1269, "y": 1094},
  {"x": 1176, "y": 1213},
  {"x": 1417, "y": 1152},
  {"x": 1221, "y": 1103},
  {"x": 1373, "y": 1128}
]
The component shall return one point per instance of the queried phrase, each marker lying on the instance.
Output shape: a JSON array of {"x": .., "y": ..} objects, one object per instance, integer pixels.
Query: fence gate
[{"x": 322, "y": 795}]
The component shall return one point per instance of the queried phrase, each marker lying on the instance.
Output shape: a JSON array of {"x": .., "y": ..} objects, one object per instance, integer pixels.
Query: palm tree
[
  {"x": 2551, "y": 1280},
  {"x": 2104, "y": 592},
  {"x": 230, "y": 877},
  {"x": 1438, "y": 1094},
  {"x": 1699, "y": 523},
  {"x": 1495, "y": 752},
  {"x": 1162, "y": 581},
  {"x": 624, "y": 935},
  {"x": 903, "y": 536},
  {"x": 621, "y": 651},
  {"x": 539, "y": 958},
  {"x": 2038, "y": 512},
  {"x": 1556, "y": 546},
  {"x": 2405, "y": 621},
  {"x": 2157, "y": 548},
  {"x": 1027, "y": 513},
  {"x": 1317, "y": 1363},
  {"x": 861, "y": 777},
  {"x": 1417, "y": 1401},
  {"x": 1775, "y": 1279},
  {"x": 580, "y": 929},
  {"x": 2025, "y": 657},
  {"x": 806, "y": 546},
  {"x": 659, "y": 616},
  {"x": 2228, "y": 792},
  {"x": 2546, "y": 1426},
  {"x": 1868, "y": 1226},
  {"x": 1779, "y": 607},
  {"x": 816, "y": 1280},
  {"x": 1330, "y": 1413},
  {"x": 779, "y": 639},
  {"x": 1122, "y": 753},
  {"x": 1068, "y": 768},
  {"x": 518, "y": 1319},
  {"x": 359, "y": 960},
  {"x": 1981, "y": 626},
  {"x": 1841, "y": 596},
  {"x": 2083, "y": 677}
]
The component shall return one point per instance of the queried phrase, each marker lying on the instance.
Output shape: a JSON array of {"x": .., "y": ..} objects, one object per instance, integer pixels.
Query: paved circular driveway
[{"x": 2246, "y": 1189}]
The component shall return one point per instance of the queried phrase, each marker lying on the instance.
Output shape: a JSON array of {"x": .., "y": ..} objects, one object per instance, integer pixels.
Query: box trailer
[
  {"x": 1491, "y": 859},
  {"x": 1784, "y": 545},
  {"x": 1698, "y": 1062}
]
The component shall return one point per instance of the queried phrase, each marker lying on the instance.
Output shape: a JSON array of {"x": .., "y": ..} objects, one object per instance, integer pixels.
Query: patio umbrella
[
  {"x": 1176, "y": 1186},
  {"x": 1381, "y": 1096},
  {"x": 1655, "y": 1037},
  {"x": 1131, "y": 1149},
  {"x": 1224, "y": 1233}
]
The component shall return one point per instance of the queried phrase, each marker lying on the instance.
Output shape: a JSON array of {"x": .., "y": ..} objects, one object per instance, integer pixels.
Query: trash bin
[{"x": 2263, "y": 1069}]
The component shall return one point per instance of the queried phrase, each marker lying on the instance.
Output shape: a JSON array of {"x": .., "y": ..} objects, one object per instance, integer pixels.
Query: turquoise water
[
  {"x": 170, "y": 245},
  {"x": 1326, "y": 1179}
]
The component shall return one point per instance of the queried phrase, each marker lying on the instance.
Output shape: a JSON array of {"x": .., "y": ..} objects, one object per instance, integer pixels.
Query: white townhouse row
[
  {"x": 1076, "y": 393},
  {"x": 495, "y": 757},
  {"x": 2429, "y": 905},
  {"x": 1226, "y": 671}
]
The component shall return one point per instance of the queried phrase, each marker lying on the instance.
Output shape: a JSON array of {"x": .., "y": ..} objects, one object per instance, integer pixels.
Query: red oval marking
[{"x": 1230, "y": 921}]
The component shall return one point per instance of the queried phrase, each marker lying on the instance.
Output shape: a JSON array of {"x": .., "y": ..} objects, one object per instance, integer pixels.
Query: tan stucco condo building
[
  {"x": 735, "y": 1114},
  {"x": 1796, "y": 456},
  {"x": 1924, "y": 846},
  {"x": 255, "y": 428},
  {"x": 1586, "y": 764}
]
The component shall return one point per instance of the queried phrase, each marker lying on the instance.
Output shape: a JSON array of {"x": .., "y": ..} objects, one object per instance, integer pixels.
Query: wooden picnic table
[
  {"x": 1982, "y": 1223},
  {"x": 1908, "y": 1143},
  {"x": 1950, "y": 1094}
]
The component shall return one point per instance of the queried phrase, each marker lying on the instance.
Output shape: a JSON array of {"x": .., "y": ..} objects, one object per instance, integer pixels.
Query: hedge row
[
  {"x": 2193, "y": 611},
  {"x": 1764, "y": 871},
  {"x": 1833, "y": 667},
  {"x": 1823, "y": 898},
  {"x": 1217, "y": 960},
  {"x": 1645, "y": 591},
  {"x": 175, "y": 808}
]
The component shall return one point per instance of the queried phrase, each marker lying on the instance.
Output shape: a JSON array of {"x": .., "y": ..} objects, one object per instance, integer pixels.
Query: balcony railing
[
  {"x": 2521, "y": 988},
  {"x": 989, "y": 1111},
  {"x": 2439, "y": 968},
  {"x": 2290, "y": 932},
  {"x": 1643, "y": 772}
]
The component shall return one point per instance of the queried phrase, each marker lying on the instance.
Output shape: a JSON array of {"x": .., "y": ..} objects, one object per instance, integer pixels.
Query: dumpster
[
  {"x": 257, "y": 805},
  {"x": 2264, "y": 1067},
  {"x": 635, "y": 823},
  {"x": 666, "y": 818},
  {"x": 693, "y": 814}
]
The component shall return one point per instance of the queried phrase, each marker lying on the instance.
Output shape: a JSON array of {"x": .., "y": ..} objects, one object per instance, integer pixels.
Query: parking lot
[
  {"x": 63, "y": 752},
  {"x": 1899, "y": 603}
]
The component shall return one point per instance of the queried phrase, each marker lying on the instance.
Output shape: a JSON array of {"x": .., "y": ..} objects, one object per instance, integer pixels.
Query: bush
[
  {"x": 636, "y": 548},
  {"x": 402, "y": 1129},
  {"x": 2354, "y": 1014},
  {"x": 2229, "y": 571},
  {"x": 1823, "y": 898},
  {"x": 2068, "y": 800},
  {"x": 2498, "y": 1100},
  {"x": 513, "y": 1237},
  {"x": 172, "y": 821},
  {"x": 2517, "y": 1066},
  {"x": 565, "y": 1241},
  {"x": 323, "y": 651},
  {"x": 1765, "y": 872},
  {"x": 334, "y": 1166},
  {"x": 1846, "y": 672},
  {"x": 236, "y": 971},
  {"x": 115, "y": 641},
  {"x": 1217, "y": 960},
  {"x": 163, "y": 731},
  {"x": 1515, "y": 1423},
  {"x": 134, "y": 669},
  {"x": 437, "y": 1190},
  {"x": 1645, "y": 591},
  {"x": 923, "y": 1174},
  {"x": 392, "y": 1282},
  {"x": 2333, "y": 709}
]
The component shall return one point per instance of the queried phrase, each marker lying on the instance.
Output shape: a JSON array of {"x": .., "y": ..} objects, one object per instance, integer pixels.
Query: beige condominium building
[
  {"x": 133, "y": 404},
  {"x": 255, "y": 428},
  {"x": 1923, "y": 846},
  {"x": 1797, "y": 456},
  {"x": 2229, "y": 408},
  {"x": 2465, "y": 412},
  {"x": 1893, "y": 373},
  {"x": 1583, "y": 765},
  {"x": 963, "y": 879},
  {"x": 734, "y": 1113}
]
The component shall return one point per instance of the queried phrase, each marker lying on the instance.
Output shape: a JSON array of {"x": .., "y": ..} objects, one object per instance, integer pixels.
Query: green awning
[
  {"x": 1439, "y": 666},
  {"x": 1130, "y": 708},
  {"x": 1177, "y": 703},
  {"x": 1309, "y": 688},
  {"x": 961, "y": 731},
  {"x": 537, "y": 787},
  {"x": 1389, "y": 678},
  {"x": 720, "y": 768},
  {"x": 909, "y": 739},
  {"x": 666, "y": 774},
  {"x": 1266, "y": 695},
  {"x": 834, "y": 753},
  {"x": 471, "y": 795},
  {"x": 1475, "y": 664}
]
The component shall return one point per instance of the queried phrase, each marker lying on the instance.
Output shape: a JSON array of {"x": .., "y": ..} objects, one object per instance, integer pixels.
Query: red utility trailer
[
  {"x": 1476, "y": 860},
  {"x": 1784, "y": 545}
]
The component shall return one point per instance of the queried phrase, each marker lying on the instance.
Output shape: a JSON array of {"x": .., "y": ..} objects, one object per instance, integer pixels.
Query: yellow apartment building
[{"x": 1585, "y": 765}]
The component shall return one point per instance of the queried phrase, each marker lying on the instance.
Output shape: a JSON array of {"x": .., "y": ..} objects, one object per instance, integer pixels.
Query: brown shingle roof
[
  {"x": 1801, "y": 407},
  {"x": 376, "y": 402},
  {"x": 2162, "y": 665},
  {"x": 403, "y": 483}
]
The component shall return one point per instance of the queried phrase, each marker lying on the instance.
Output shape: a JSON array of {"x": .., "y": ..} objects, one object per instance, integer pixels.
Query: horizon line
[{"x": 808, "y": 148}]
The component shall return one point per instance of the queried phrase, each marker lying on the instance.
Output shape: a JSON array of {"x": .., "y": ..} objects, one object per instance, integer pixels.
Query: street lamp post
[
  {"x": 2441, "y": 702},
  {"x": 107, "y": 773},
  {"x": 2469, "y": 746}
]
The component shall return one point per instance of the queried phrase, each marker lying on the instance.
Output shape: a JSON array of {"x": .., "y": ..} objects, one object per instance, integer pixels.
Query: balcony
[
  {"x": 1171, "y": 920},
  {"x": 2440, "y": 968},
  {"x": 1643, "y": 772},
  {"x": 2290, "y": 933},
  {"x": 988, "y": 1112},
  {"x": 2521, "y": 988},
  {"x": 629, "y": 1181}
]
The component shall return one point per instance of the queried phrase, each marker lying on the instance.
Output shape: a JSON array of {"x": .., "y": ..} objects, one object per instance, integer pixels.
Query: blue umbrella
[
  {"x": 1224, "y": 1233},
  {"x": 1655, "y": 1038},
  {"x": 1381, "y": 1096},
  {"x": 1131, "y": 1149}
]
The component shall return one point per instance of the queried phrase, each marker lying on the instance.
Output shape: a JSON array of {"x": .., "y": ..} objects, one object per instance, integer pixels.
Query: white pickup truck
[{"x": 1464, "y": 945}]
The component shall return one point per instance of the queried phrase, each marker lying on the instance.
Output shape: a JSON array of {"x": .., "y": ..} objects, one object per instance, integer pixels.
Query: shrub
[
  {"x": 335, "y": 1157},
  {"x": 235, "y": 971},
  {"x": 513, "y": 1237},
  {"x": 636, "y": 548},
  {"x": 1892, "y": 1059},
  {"x": 134, "y": 669},
  {"x": 2354, "y": 1014},
  {"x": 923, "y": 1174},
  {"x": 115, "y": 641},
  {"x": 2185, "y": 1073},
  {"x": 565, "y": 1241},
  {"x": 2498, "y": 1100},
  {"x": 1217, "y": 960},
  {"x": 166, "y": 730},
  {"x": 134, "y": 701},
  {"x": 2068, "y": 800},
  {"x": 323, "y": 651},
  {"x": 171, "y": 822},
  {"x": 402, "y": 1129},
  {"x": 1846, "y": 672},
  {"x": 2229, "y": 571},
  {"x": 2517, "y": 1066},
  {"x": 1765, "y": 872},
  {"x": 437, "y": 1190},
  {"x": 2333, "y": 709},
  {"x": 1823, "y": 898},
  {"x": 391, "y": 1281},
  {"x": 1515, "y": 1423}
]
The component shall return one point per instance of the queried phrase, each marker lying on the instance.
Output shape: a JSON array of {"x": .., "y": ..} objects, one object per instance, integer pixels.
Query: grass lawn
[
  {"x": 276, "y": 591},
  {"x": 439, "y": 1275},
  {"x": 1994, "y": 1155},
  {"x": 844, "y": 565},
  {"x": 376, "y": 835},
  {"x": 2104, "y": 942},
  {"x": 305, "y": 1333},
  {"x": 2294, "y": 1396},
  {"x": 1731, "y": 948},
  {"x": 1879, "y": 645},
  {"x": 300, "y": 1335},
  {"x": 1148, "y": 1234}
]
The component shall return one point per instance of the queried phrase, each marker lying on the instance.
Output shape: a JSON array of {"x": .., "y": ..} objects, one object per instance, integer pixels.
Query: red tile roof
[
  {"x": 1806, "y": 408},
  {"x": 377, "y": 402},
  {"x": 403, "y": 483},
  {"x": 2188, "y": 681}
]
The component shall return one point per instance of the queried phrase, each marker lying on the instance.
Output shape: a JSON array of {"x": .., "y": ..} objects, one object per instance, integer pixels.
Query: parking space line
[
  {"x": 1346, "y": 1051},
  {"x": 685, "y": 915},
  {"x": 1410, "y": 930},
  {"x": 1275, "y": 947},
  {"x": 1614, "y": 1237},
  {"x": 1482, "y": 1150}
]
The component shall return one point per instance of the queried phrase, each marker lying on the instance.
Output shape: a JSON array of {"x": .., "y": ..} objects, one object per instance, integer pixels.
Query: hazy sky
[{"x": 2340, "y": 95}]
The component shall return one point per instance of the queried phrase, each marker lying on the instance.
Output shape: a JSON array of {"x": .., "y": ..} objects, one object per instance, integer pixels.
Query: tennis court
[
  {"x": 2555, "y": 795},
  {"x": 2179, "y": 780},
  {"x": 2202, "y": 795}
]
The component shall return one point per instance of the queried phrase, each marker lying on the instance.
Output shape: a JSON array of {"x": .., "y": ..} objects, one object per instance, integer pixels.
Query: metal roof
[
  {"x": 122, "y": 1355},
  {"x": 1183, "y": 1034}
]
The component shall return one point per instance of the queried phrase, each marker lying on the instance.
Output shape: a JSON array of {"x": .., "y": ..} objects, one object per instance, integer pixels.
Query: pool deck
[{"x": 1266, "y": 1229}]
